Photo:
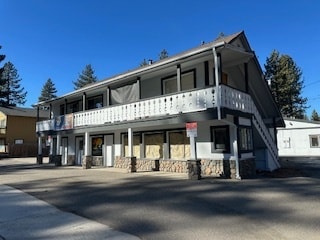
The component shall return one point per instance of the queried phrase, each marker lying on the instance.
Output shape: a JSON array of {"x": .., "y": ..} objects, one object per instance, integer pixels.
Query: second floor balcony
[{"x": 172, "y": 104}]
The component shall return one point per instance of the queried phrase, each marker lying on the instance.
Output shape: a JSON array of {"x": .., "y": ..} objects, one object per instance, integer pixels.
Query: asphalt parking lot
[{"x": 282, "y": 205}]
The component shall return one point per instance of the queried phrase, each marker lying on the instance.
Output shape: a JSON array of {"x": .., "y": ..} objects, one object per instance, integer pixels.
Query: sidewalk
[{"x": 25, "y": 217}]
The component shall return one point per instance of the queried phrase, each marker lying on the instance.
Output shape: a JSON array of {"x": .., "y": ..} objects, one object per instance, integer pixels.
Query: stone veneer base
[{"x": 209, "y": 167}]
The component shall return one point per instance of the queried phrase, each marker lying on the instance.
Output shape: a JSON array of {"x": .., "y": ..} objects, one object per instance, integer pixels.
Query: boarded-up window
[
  {"x": 187, "y": 82},
  {"x": 124, "y": 94},
  {"x": 136, "y": 146},
  {"x": 153, "y": 145},
  {"x": 179, "y": 145}
]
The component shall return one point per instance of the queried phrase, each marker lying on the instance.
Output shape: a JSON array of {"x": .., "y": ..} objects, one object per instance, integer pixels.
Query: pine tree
[
  {"x": 286, "y": 84},
  {"x": 86, "y": 77},
  {"x": 315, "y": 116},
  {"x": 2, "y": 57},
  {"x": 163, "y": 54},
  {"x": 12, "y": 93},
  {"x": 48, "y": 91}
]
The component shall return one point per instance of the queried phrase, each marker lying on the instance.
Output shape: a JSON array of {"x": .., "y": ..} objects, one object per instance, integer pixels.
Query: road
[{"x": 168, "y": 206}]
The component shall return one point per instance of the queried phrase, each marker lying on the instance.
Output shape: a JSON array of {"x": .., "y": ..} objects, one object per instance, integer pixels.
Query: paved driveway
[{"x": 167, "y": 206}]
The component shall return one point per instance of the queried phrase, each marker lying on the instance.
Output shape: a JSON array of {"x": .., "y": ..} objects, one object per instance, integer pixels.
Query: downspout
[{"x": 217, "y": 76}]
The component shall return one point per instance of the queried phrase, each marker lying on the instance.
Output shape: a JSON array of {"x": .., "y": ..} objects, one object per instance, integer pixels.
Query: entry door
[
  {"x": 79, "y": 150},
  {"x": 108, "y": 151},
  {"x": 64, "y": 152}
]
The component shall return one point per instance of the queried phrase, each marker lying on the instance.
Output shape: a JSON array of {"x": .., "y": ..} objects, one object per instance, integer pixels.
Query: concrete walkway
[{"x": 25, "y": 217}]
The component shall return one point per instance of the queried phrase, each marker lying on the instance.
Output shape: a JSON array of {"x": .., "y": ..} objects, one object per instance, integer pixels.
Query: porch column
[
  {"x": 139, "y": 86},
  {"x": 58, "y": 157},
  {"x": 130, "y": 143},
  {"x": 246, "y": 77},
  {"x": 39, "y": 156},
  {"x": 58, "y": 144},
  {"x": 86, "y": 143},
  {"x": 236, "y": 152},
  {"x": 132, "y": 167},
  {"x": 217, "y": 72},
  {"x": 84, "y": 99},
  {"x": 87, "y": 159},
  {"x": 178, "y": 78}
]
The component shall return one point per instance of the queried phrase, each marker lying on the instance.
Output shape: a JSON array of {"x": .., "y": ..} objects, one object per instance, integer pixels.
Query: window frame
[
  {"x": 248, "y": 139},
  {"x": 214, "y": 148},
  {"x": 318, "y": 141},
  {"x": 174, "y": 78}
]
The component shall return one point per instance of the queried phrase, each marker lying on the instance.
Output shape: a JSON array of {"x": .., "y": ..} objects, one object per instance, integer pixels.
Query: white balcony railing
[{"x": 189, "y": 101}]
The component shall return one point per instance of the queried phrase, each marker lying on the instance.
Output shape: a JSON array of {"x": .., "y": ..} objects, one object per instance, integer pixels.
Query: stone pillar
[
  {"x": 86, "y": 162},
  {"x": 194, "y": 169},
  {"x": 132, "y": 164}
]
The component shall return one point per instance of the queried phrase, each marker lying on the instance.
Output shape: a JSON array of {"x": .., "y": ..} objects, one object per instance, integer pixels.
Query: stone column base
[
  {"x": 58, "y": 160},
  {"x": 39, "y": 159},
  {"x": 194, "y": 169},
  {"x": 132, "y": 165},
  {"x": 86, "y": 162}
]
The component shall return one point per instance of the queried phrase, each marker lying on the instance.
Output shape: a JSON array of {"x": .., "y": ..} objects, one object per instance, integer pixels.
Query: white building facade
[
  {"x": 137, "y": 120},
  {"x": 300, "y": 138}
]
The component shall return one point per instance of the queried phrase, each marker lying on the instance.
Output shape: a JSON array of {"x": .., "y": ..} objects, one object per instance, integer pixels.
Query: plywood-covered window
[
  {"x": 136, "y": 145},
  {"x": 179, "y": 145},
  {"x": 153, "y": 145}
]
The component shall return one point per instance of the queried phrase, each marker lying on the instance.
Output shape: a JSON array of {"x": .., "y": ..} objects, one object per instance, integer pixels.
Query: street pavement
[{"x": 155, "y": 205}]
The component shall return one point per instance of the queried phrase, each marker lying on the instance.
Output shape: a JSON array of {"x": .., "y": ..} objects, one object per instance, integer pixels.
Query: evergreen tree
[
  {"x": 86, "y": 77},
  {"x": 48, "y": 91},
  {"x": 315, "y": 116},
  {"x": 2, "y": 57},
  {"x": 286, "y": 84},
  {"x": 12, "y": 93},
  {"x": 163, "y": 54}
]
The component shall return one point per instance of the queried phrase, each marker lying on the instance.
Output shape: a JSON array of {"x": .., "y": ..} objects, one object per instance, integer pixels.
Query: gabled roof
[
  {"x": 23, "y": 112},
  {"x": 139, "y": 70}
]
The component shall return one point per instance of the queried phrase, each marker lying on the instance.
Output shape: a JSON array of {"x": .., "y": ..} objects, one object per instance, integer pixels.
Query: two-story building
[{"x": 138, "y": 119}]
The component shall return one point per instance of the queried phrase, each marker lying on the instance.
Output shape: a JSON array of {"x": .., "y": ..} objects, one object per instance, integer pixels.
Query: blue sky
[{"x": 57, "y": 38}]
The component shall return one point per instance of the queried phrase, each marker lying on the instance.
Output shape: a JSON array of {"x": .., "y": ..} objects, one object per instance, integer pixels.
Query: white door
[
  {"x": 64, "y": 152},
  {"x": 108, "y": 151},
  {"x": 79, "y": 150}
]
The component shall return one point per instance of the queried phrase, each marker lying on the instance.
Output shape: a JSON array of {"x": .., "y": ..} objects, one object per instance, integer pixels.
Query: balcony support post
[
  {"x": 217, "y": 72},
  {"x": 39, "y": 156},
  {"x": 178, "y": 78}
]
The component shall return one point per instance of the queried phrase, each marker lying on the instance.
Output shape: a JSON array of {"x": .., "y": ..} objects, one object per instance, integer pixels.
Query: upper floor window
[
  {"x": 95, "y": 102},
  {"x": 314, "y": 141},
  {"x": 74, "y": 107},
  {"x": 169, "y": 84}
]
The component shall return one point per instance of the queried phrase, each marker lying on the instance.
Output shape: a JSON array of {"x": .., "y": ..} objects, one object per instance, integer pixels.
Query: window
[
  {"x": 179, "y": 145},
  {"x": 97, "y": 143},
  {"x": 136, "y": 145},
  {"x": 169, "y": 84},
  {"x": 245, "y": 135},
  {"x": 314, "y": 141},
  {"x": 74, "y": 107},
  {"x": 220, "y": 139},
  {"x": 95, "y": 102},
  {"x": 153, "y": 145}
]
